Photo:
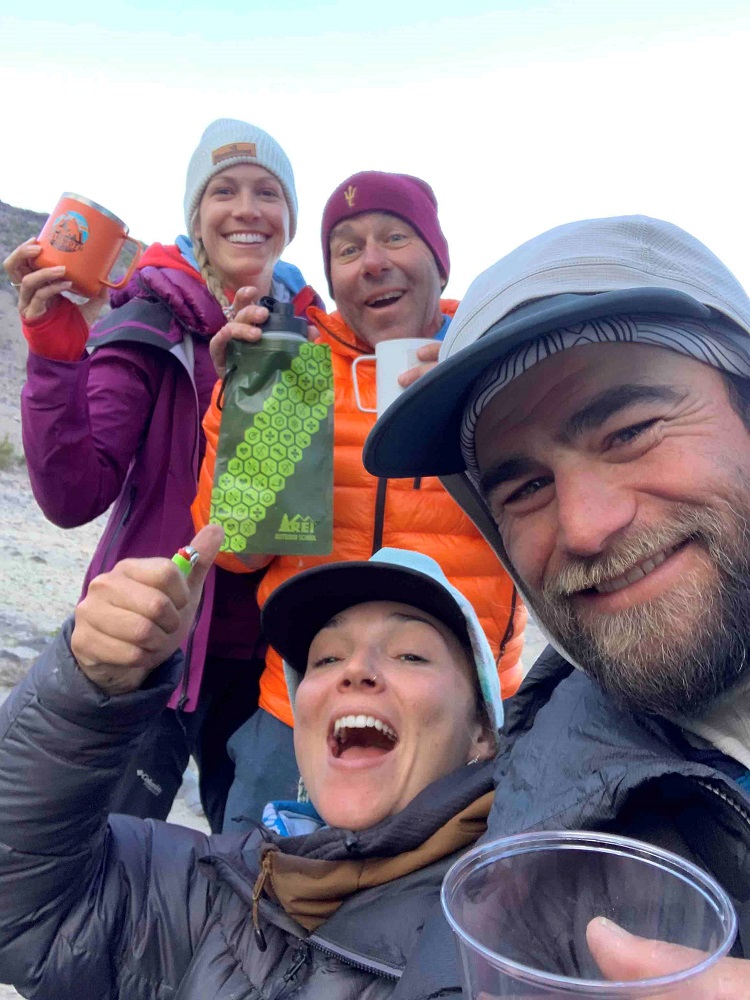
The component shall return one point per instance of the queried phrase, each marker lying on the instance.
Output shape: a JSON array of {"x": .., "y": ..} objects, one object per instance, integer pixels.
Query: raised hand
[
  {"x": 40, "y": 290},
  {"x": 134, "y": 617}
]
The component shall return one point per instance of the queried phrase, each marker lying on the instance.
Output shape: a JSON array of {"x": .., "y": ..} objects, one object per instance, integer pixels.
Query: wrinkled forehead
[
  {"x": 559, "y": 385},
  {"x": 614, "y": 343},
  {"x": 581, "y": 389}
]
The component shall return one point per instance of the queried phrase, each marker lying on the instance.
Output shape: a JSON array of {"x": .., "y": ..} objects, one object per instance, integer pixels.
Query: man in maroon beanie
[
  {"x": 386, "y": 258},
  {"x": 387, "y": 262}
]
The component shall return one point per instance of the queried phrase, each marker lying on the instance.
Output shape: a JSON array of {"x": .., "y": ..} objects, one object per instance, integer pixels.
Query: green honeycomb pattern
[{"x": 273, "y": 446}]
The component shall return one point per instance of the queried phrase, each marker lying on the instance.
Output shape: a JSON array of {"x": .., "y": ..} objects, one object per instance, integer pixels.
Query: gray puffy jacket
[
  {"x": 572, "y": 759},
  {"x": 115, "y": 908}
]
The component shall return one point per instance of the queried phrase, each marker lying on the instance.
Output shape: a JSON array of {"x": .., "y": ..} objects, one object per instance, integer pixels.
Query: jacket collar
[
  {"x": 581, "y": 755},
  {"x": 165, "y": 276},
  {"x": 311, "y": 890},
  {"x": 407, "y": 831}
]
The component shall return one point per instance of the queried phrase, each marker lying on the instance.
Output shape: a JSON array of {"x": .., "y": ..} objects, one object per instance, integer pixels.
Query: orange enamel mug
[{"x": 87, "y": 239}]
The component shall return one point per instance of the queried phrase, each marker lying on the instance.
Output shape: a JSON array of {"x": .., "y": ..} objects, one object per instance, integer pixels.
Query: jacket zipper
[
  {"x": 121, "y": 524},
  {"x": 343, "y": 954},
  {"x": 377, "y": 532},
  {"x": 351, "y": 958},
  {"x": 188, "y": 654},
  {"x": 726, "y": 797}
]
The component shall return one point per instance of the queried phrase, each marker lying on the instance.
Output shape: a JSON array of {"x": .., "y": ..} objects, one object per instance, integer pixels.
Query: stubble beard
[{"x": 674, "y": 655}]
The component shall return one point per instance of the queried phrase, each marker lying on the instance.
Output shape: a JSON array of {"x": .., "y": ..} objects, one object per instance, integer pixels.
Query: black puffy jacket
[{"x": 116, "y": 908}]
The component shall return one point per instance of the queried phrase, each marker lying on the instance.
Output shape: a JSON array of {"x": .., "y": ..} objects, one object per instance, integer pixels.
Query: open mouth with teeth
[
  {"x": 246, "y": 239},
  {"x": 636, "y": 572},
  {"x": 361, "y": 737},
  {"x": 384, "y": 300}
]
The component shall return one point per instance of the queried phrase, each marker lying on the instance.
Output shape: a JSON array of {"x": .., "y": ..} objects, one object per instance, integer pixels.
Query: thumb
[
  {"x": 207, "y": 544},
  {"x": 245, "y": 296},
  {"x": 622, "y": 956}
]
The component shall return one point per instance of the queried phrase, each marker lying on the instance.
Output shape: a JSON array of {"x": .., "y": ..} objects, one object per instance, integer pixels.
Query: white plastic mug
[{"x": 391, "y": 358}]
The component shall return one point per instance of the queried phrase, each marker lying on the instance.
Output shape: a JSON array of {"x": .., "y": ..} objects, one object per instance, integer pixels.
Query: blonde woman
[{"x": 112, "y": 416}]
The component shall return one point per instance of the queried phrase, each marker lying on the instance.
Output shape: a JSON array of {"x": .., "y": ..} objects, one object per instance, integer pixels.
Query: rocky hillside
[{"x": 16, "y": 225}]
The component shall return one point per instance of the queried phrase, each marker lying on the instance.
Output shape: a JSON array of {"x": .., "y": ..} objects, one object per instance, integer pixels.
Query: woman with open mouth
[{"x": 397, "y": 706}]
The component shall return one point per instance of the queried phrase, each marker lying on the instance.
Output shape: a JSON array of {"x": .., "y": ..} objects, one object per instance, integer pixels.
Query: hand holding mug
[
  {"x": 76, "y": 251},
  {"x": 39, "y": 290},
  {"x": 428, "y": 358},
  {"x": 395, "y": 368}
]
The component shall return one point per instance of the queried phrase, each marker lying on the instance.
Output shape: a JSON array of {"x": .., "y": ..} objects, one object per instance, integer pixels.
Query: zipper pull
[
  {"x": 300, "y": 957},
  {"x": 265, "y": 872}
]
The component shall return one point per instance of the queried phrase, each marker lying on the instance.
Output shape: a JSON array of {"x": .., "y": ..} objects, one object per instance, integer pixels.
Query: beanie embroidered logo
[
  {"x": 350, "y": 194},
  {"x": 233, "y": 149}
]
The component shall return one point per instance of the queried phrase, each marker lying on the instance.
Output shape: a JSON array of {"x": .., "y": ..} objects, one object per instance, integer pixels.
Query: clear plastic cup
[{"x": 520, "y": 907}]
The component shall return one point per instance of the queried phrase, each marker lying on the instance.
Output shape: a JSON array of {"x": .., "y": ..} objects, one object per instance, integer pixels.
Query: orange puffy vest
[{"x": 369, "y": 513}]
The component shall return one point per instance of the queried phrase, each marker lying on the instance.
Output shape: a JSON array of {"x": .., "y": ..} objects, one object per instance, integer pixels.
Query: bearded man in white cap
[{"x": 591, "y": 412}]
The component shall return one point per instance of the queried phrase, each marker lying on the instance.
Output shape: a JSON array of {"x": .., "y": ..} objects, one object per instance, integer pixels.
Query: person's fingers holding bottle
[
  {"x": 245, "y": 324},
  {"x": 249, "y": 313}
]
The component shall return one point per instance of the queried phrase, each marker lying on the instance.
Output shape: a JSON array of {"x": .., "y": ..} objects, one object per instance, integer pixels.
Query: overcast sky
[{"x": 522, "y": 115}]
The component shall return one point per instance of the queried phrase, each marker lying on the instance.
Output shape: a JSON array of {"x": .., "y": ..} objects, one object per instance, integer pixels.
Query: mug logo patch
[
  {"x": 232, "y": 149},
  {"x": 350, "y": 194},
  {"x": 69, "y": 232}
]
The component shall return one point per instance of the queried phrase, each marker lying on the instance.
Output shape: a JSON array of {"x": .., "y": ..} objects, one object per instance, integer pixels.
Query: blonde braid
[{"x": 211, "y": 277}]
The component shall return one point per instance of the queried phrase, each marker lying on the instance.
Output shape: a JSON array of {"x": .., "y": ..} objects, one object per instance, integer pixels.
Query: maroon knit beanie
[{"x": 410, "y": 198}]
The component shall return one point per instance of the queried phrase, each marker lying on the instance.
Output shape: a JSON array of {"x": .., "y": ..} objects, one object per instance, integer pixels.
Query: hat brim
[
  {"x": 299, "y": 608},
  {"x": 419, "y": 434}
]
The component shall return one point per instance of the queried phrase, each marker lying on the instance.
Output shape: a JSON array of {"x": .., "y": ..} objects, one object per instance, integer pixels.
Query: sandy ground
[{"x": 41, "y": 569}]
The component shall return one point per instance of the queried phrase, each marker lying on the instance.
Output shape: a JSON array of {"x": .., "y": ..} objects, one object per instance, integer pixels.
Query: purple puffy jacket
[{"x": 122, "y": 426}]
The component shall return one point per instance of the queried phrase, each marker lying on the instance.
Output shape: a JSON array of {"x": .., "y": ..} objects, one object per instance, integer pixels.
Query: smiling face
[
  {"x": 387, "y": 705},
  {"x": 384, "y": 277},
  {"x": 243, "y": 221},
  {"x": 619, "y": 478}
]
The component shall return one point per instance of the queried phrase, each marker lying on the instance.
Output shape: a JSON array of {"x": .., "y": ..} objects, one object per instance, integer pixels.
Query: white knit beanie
[{"x": 227, "y": 142}]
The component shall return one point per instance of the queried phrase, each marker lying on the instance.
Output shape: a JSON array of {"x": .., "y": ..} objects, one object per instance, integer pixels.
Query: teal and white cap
[{"x": 298, "y": 609}]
